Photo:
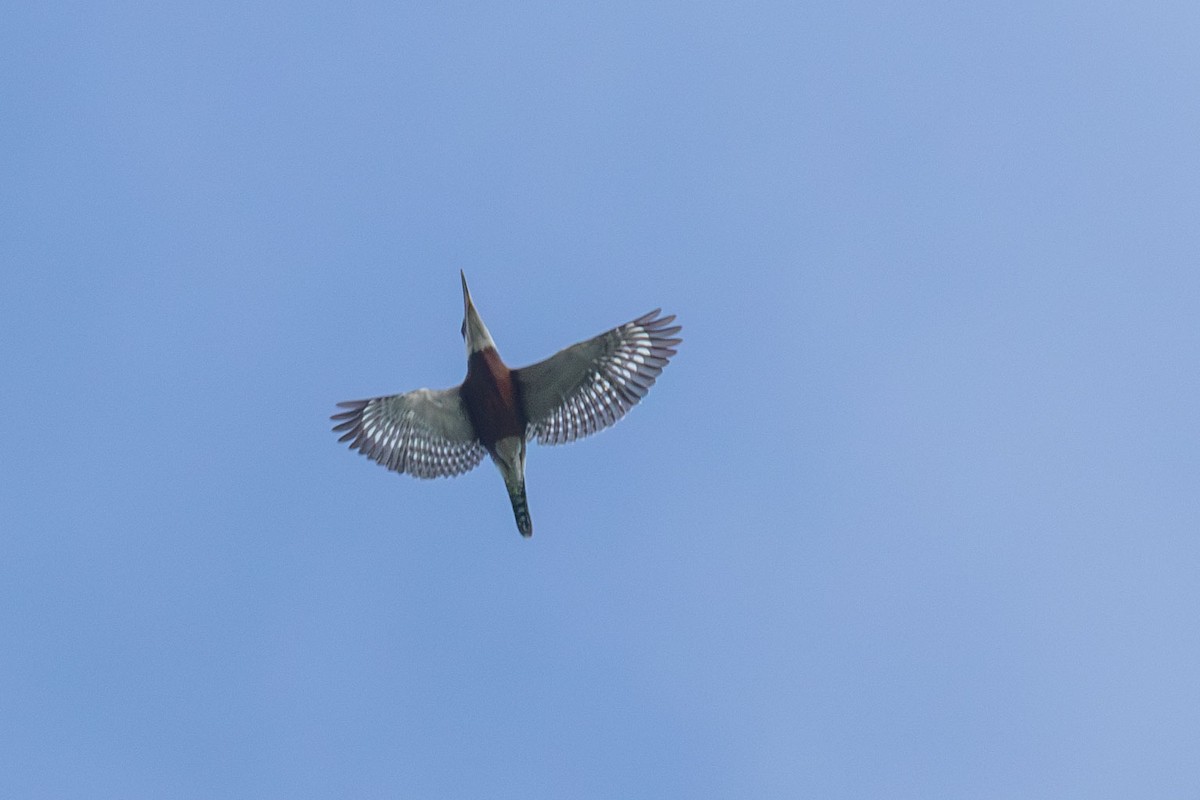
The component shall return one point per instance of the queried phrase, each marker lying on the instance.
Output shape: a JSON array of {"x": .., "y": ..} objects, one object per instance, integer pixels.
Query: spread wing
[
  {"x": 425, "y": 433},
  {"x": 590, "y": 385}
]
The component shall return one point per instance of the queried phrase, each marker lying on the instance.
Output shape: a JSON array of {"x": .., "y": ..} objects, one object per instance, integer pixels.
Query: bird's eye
[{"x": 464, "y": 329}]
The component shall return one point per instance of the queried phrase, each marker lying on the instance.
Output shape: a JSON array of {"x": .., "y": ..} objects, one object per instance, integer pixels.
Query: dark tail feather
[{"x": 521, "y": 510}]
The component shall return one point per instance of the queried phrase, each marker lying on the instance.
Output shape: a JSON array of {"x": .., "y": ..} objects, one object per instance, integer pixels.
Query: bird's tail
[
  {"x": 509, "y": 455},
  {"x": 521, "y": 509}
]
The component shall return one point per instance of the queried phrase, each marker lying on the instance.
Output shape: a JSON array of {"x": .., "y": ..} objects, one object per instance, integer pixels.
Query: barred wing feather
[
  {"x": 425, "y": 433},
  {"x": 589, "y": 386}
]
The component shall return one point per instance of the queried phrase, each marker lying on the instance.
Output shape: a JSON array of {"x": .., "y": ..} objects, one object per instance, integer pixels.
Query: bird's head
[{"x": 474, "y": 332}]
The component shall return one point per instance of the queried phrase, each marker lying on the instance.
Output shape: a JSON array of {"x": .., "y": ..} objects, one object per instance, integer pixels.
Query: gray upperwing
[
  {"x": 425, "y": 433},
  {"x": 588, "y": 386}
]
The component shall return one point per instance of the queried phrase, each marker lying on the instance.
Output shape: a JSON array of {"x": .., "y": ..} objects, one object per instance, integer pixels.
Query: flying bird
[{"x": 433, "y": 433}]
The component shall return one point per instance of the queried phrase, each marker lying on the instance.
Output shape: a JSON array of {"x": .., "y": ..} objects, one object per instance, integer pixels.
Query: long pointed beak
[
  {"x": 466, "y": 292},
  {"x": 475, "y": 333}
]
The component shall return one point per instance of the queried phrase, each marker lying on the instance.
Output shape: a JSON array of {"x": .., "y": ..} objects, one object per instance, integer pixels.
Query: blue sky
[{"x": 913, "y": 513}]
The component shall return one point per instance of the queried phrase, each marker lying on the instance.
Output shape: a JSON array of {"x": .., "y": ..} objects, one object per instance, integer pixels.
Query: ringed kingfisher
[{"x": 574, "y": 393}]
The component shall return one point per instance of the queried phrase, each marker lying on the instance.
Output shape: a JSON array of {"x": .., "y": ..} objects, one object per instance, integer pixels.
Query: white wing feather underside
[
  {"x": 589, "y": 386},
  {"x": 424, "y": 433}
]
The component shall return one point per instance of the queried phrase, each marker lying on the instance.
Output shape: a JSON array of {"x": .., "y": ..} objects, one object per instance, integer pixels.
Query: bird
[{"x": 578, "y": 391}]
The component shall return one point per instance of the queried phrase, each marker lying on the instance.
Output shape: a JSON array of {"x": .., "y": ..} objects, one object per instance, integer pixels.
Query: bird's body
[
  {"x": 491, "y": 398},
  {"x": 574, "y": 393}
]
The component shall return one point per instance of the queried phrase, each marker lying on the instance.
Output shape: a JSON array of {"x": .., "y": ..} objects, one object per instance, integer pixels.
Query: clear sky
[{"x": 914, "y": 513}]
